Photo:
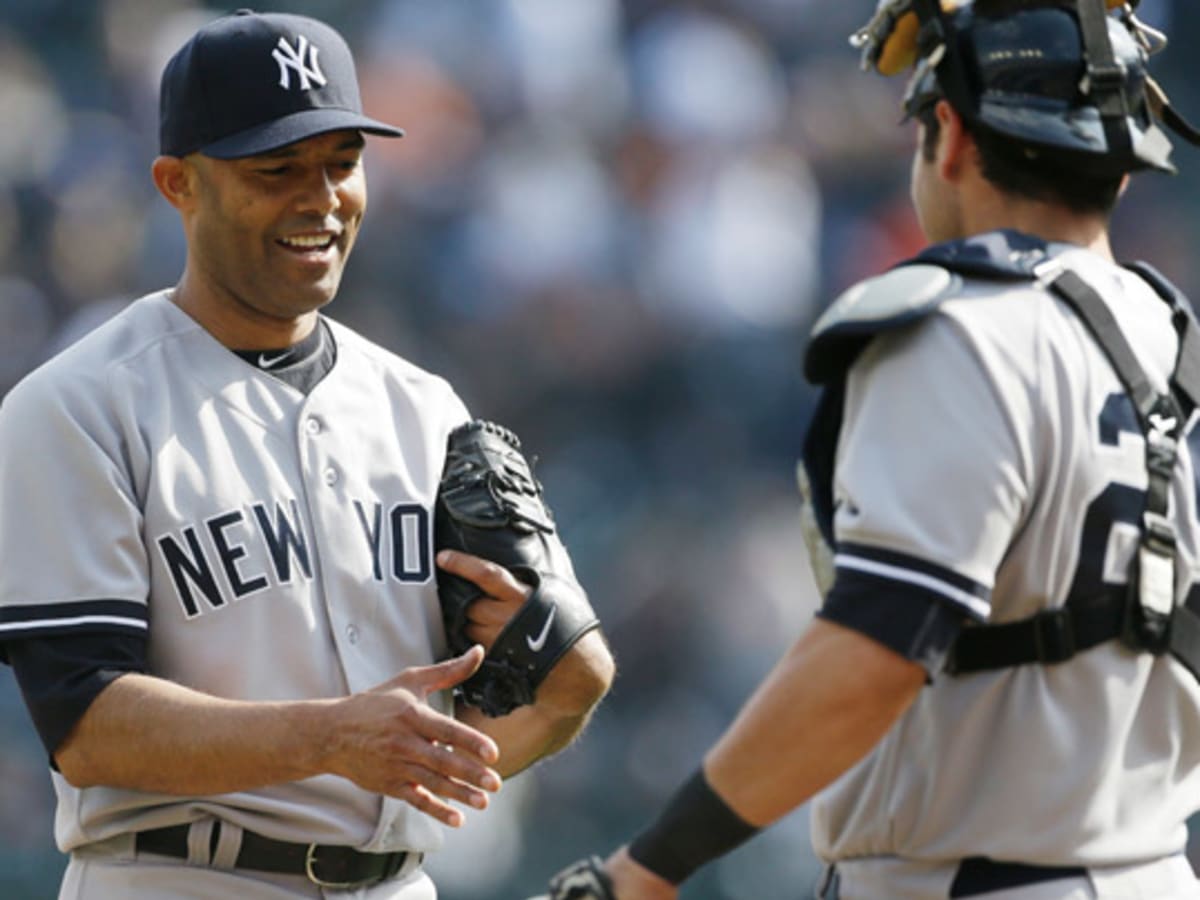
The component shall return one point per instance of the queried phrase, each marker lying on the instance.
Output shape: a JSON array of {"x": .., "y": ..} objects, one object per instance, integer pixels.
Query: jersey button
[
  {"x": 352, "y": 634},
  {"x": 312, "y": 425},
  {"x": 331, "y": 476}
]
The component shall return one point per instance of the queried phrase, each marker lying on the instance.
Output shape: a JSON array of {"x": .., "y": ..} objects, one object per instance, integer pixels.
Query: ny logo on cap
[{"x": 289, "y": 58}]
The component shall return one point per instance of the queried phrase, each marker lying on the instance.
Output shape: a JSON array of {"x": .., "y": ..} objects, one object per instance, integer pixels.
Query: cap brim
[{"x": 296, "y": 127}]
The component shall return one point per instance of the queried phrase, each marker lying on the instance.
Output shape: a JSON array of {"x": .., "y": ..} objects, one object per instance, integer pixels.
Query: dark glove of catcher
[
  {"x": 490, "y": 505},
  {"x": 583, "y": 880}
]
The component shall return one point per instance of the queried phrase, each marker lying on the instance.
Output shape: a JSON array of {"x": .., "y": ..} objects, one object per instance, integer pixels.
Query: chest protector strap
[{"x": 1145, "y": 616}]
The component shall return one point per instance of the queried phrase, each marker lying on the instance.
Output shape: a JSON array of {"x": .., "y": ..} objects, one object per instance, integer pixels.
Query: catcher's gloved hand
[
  {"x": 583, "y": 880},
  {"x": 490, "y": 505}
]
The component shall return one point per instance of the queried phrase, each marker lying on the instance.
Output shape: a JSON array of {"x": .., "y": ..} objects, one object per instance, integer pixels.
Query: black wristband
[{"x": 696, "y": 826}]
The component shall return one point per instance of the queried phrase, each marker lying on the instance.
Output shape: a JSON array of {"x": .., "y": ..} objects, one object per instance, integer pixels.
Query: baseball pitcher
[{"x": 219, "y": 567}]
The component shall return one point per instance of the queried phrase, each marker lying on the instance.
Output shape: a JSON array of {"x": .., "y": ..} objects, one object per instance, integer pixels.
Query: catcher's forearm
[
  {"x": 827, "y": 703},
  {"x": 564, "y": 704}
]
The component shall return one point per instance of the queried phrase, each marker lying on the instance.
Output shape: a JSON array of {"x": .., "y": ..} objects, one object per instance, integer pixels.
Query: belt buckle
[{"x": 310, "y": 858}]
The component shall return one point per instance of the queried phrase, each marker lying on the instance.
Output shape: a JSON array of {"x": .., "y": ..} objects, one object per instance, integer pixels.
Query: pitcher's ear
[{"x": 175, "y": 179}]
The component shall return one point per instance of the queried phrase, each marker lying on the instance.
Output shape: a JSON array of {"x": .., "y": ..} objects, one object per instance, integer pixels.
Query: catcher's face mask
[{"x": 1065, "y": 82}]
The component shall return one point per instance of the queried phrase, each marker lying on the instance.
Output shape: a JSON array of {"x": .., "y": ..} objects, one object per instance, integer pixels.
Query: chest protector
[{"x": 1143, "y": 614}]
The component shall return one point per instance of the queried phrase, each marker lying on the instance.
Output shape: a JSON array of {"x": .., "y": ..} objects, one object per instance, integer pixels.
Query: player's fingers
[
  {"x": 482, "y": 634},
  {"x": 444, "y": 761},
  {"x": 494, "y": 579},
  {"x": 405, "y": 718},
  {"x": 490, "y": 613},
  {"x": 444, "y": 786},
  {"x": 424, "y": 741},
  {"x": 430, "y": 728},
  {"x": 422, "y": 799},
  {"x": 381, "y": 749},
  {"x": 441, "y": 676}
]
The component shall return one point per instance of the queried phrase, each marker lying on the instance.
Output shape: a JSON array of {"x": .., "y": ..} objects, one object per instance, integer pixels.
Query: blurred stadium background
[{"x": 610, "y": 226}]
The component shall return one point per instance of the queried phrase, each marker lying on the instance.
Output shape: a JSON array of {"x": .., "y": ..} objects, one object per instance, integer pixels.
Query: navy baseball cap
[{"x": 252, "y": 82}]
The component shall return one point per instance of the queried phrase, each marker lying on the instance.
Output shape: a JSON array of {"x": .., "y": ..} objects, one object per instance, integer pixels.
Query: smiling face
[{"x": 268, "y": 235}]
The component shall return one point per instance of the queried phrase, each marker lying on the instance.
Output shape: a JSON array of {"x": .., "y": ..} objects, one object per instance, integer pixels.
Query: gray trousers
[{"x": 878, "y": 878}]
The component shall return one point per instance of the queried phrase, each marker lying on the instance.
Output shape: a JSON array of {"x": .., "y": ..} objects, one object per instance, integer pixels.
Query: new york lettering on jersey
[{"x": 269, "y": 545}]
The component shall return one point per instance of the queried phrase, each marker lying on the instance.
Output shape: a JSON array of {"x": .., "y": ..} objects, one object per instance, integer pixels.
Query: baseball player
[
  {"x": 218, "y": 591},
  {"x": 999, "y": 697}
]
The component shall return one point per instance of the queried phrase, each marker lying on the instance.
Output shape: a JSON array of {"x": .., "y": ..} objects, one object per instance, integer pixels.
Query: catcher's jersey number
[
  {"x": 248, "y": 549},
  {"x": 1110, "y": 529}
]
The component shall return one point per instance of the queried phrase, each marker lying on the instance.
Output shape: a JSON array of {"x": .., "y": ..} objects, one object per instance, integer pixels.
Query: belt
[
  {"x": 979, "y": 875},
  {"x": 331, "y": 866}
]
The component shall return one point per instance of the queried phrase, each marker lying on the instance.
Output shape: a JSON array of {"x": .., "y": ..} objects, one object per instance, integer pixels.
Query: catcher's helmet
[{"x": 1064, "y": 82}]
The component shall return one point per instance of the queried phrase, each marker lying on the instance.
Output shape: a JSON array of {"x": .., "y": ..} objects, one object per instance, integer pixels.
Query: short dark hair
[{"x": 1017, "y": 169}]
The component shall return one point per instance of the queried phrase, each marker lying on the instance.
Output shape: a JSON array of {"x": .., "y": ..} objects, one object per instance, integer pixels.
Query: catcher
[{"x": 999, "y": 695}]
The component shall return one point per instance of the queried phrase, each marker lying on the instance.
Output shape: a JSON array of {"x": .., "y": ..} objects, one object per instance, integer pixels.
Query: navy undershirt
[
  {"x": 301, "y": 365},
  {"x": 60, "y": 676}
]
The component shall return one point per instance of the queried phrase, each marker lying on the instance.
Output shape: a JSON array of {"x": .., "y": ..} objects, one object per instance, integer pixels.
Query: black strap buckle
[
  {"x": 1054, "y": 635},
  {"x": 342, "y": 865},
  {"x": 1158, "y": 534},
  {"x": 310, "y": 871}
]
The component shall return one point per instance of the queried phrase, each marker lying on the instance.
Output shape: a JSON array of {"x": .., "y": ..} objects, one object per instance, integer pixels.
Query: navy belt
[
  {"x": 327, "y": 865},
  {"x": 979, "y": 875}
]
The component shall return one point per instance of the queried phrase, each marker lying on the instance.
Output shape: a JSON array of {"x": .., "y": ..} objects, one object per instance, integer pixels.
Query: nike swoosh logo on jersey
[
  {"x": 270, "y": 362},
  {"x": 536, "y": 644},
  {"x": 273, "y": 362}
]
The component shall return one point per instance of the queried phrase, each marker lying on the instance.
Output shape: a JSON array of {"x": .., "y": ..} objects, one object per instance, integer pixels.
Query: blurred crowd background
[{"x": 610, "y": 226}]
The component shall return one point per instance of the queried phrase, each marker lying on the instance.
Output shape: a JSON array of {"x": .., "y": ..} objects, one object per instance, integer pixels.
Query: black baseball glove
[
  {"x": 490, "y": 505},
  {"x": 582, "y": 880}
]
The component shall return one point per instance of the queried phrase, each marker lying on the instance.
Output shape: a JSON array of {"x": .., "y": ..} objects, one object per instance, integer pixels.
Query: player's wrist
[
  {"x": 631, "y": 879},
  {"x": 321, "y": 729},
  {"x": 694, "y": 828}
]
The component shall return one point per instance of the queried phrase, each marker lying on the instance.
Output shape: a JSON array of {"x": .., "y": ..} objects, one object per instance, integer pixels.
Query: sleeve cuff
[{"x": 911, "y": 606}]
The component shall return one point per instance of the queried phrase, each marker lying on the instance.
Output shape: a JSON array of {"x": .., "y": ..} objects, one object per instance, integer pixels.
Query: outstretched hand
[{"x": 388, "y": 740}]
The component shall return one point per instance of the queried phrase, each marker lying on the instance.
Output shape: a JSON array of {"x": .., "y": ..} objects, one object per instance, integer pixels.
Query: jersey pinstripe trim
[
  {"x": 918, "y": 573},
  {"x": 48, "y": 619}
]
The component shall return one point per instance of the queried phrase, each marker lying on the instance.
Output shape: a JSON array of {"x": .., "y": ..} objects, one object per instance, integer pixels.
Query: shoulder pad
[
  {"x": 915, "y": 288},
  {"x": 887, "y": 301},
  {"x": 1163, "y": 286},
  {"x": 1003, "y": 255},
  {"x": 1187, "y": 364}
]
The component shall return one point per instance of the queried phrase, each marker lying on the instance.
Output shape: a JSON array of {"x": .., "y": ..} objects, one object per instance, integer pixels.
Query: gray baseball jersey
[
  {"x": 273, "y": 545},
  {"x": 989, "y": 459}
]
